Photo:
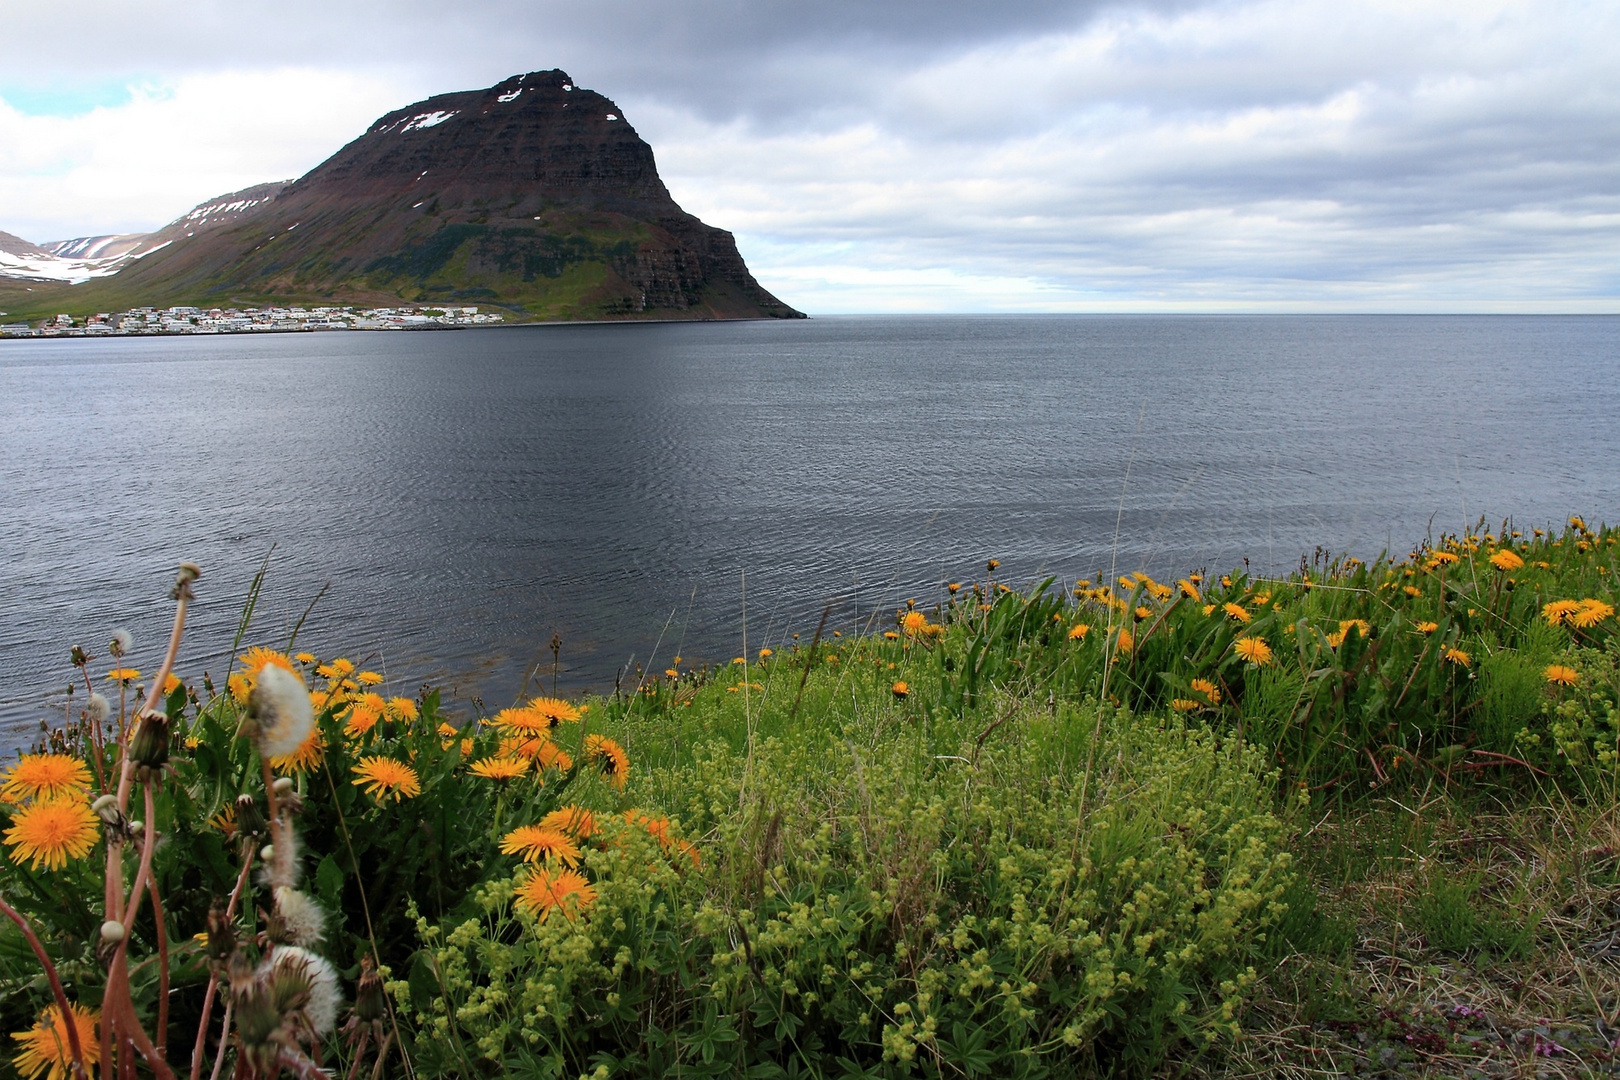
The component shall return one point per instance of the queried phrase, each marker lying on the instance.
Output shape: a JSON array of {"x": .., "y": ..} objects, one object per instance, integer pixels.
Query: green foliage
[
  {"x": 875, "y": 896},
  {"x": 1454, "y": 914}
]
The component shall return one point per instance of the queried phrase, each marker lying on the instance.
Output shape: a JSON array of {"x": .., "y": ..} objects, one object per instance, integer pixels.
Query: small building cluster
[{"x": 271, "y": 320}]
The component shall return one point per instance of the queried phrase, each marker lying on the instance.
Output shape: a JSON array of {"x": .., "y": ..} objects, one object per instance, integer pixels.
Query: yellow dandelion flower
[
  {"x": 542, "y": 892},
  {"x": 609, "y": 757},
  {"x": 1208, "y": 689},
  {"x": 382, "y": 777},
  {"x": 1078, "y": 631},
  {"x": 1591, "y": 612},
  {"x": 46, "y": 1048},
  {"x": 258, "y": 658},
  {"x": 448, "y": 730},
  {"x": 309, "y": 756},
  {"x": 305, "y": 658},
  {"x": 576, "y": 821},
  {"x": 499, "y": 768},
  {"x": 766, "y": 654},
  {"x": 1442, "y": 558},
  {"x": 1237, "y": 611},
  {"x": 1579, "y": 523},
  {"x": 1560, "y": 612},
  {"x": 551, "y": 756},
  {"x": 123, "y": 674},
  {"x": 1189, "y": 590},
  {"x": 1361, "y": 626},
  {"x": 1506, "y": 560},
  {"x": 555, "y": 712},
  {"x": 1182, "y": 704},
  {"x": 1456, "y": 656},
  {"x": 343, "y": 667},
  {"x": 1335, "y": 639},
  {"x": 1144, "y": 613},
  {"x": 541, "y": 843},
  {"x": 402, "y": 710},
  {"x": 913, "y": 622},
  {"x": 171, "y": 683},
  {"x": 890, "y": 635},
  {"x": 1560, "y": 675},
  {"x": 900, "y": 689},
  {"x": 369, "y": 678},
  {"x": 1253, "y": 649},
  {"x": 49, "y": 832},
  {"x": 44, "y": 776},
  {"x": 1125, "y": 642},
  {"x": 1412, "y": 591},
  {"x": 1209, "y": 609},
  {"x": 364, "y": 713}
]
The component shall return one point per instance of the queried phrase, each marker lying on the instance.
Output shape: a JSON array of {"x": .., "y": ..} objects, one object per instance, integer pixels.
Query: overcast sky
[{"x": 892, "y": 155}]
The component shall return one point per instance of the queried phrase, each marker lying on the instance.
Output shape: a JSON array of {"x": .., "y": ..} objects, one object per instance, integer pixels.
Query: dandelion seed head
[{"x": 280, "y": 709}]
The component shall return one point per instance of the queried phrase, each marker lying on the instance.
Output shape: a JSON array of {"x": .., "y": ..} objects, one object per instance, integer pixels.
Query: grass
[{"x": 1357, "y": 820}]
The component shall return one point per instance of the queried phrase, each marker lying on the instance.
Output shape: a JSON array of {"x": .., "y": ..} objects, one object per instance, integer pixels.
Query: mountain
[{"x": 534, "y": 195}]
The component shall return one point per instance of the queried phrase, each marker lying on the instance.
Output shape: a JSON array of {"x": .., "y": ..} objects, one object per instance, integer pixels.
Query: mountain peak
[{"x": 534, "y": 194}]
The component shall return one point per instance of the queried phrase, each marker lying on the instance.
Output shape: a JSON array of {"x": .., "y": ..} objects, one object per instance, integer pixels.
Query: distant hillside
[{"x": 533, "y": 195}]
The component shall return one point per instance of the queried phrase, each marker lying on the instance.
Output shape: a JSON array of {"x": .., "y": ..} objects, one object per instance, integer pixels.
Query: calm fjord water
[{"x": 468, "y": 494}]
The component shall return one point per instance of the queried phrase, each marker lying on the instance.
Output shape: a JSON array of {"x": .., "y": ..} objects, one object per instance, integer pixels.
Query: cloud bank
[{"x": 957, "y": 156}]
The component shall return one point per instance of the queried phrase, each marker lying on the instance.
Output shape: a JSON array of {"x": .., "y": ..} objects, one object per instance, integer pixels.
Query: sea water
[{"x": 643, "y": 491}]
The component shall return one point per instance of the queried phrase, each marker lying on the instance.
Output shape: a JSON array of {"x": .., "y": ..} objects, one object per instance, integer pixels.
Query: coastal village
[{"x": 271, "y": 320}]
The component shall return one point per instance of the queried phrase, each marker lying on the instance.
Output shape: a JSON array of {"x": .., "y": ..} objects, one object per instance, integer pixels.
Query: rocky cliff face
[{"x": 534, "y": 194}]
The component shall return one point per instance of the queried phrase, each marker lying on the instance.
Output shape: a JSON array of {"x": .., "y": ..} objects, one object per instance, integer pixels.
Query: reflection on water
[{"x": 631, "y": 487}]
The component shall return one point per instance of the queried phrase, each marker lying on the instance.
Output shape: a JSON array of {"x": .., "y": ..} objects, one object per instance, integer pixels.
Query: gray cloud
[{"x": 1016, "y": 154}]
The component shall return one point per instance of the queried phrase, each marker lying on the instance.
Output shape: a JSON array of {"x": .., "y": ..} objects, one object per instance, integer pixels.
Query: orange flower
[
  {"x": 900, "y": 689},
  {"x": 1253, "y": 649},
  {"x": 1560, "y": 675},
  {"x": 555, "y": 712},
  {"x": 381, "y": 777},
  {"x": 609, "y": 757},
  {"x": 1506, "y": 560},
  {"x": 46, "y": 1048},
  {"x": 541, "y": 892},
  {"x": 310, "y": 754},
  {"x": 576, "y": 821},
  {"x": 49, "y": 832},
  {"x": 36, "y": 776},
  {"x": 540, "y": 843},
  {"x": 499, "y": 768}
]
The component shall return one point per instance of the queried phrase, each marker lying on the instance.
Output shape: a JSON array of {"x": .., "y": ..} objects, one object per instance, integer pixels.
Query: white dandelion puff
[
  {"x": 280, "y": 710},
  {"x": 99, "y": 708},
  {"x": 122, "y": 642},
  {"x": 321, "y": 980},
  {"x": 301, "y": 917}
]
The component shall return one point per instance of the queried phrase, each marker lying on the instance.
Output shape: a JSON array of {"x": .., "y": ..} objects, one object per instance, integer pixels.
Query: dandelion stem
[
  {"x": 163, "y": 969},
  {"x": 74, "y": 1049},
  {"x": 224, "y": 1041},
  {"x": 201, "y": 1044}
]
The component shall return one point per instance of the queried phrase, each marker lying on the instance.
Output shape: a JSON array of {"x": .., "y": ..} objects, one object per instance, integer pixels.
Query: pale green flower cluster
[{"x": 864, "y": 890}]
